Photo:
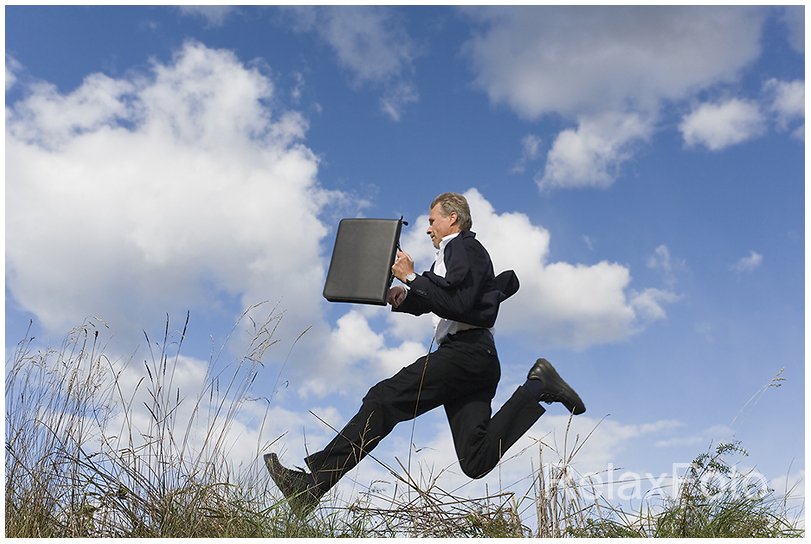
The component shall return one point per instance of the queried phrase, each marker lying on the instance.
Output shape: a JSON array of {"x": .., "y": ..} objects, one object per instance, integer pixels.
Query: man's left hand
[{"x": 397, "y": 295}]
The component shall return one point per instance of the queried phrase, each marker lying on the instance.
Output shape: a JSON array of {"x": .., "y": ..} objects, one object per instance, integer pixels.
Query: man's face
[{"x": 440, "y": 226}]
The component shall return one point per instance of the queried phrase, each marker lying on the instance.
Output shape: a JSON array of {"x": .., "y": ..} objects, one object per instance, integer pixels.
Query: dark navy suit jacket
[{"x": 469, "y": 293}]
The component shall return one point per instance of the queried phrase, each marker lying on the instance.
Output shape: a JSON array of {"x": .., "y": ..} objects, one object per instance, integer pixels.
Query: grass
[
  {"x": 713, "y": 502},
  {"x": 89, "y": 453}
]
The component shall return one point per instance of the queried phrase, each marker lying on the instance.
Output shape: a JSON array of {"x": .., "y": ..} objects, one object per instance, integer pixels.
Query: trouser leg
[
  {"x": 480, "y": 441},
  {"x": 402, "y": 397},
  {"x": 462, "y": 374}
]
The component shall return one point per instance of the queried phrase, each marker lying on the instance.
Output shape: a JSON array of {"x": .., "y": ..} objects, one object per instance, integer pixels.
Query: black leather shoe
[
  {"x": 555, "y": 389},
  {"x": 297, "y": 486}
]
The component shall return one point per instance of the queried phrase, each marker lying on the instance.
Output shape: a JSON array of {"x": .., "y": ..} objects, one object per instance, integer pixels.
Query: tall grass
[
  {"x": 713, "y": 501},
  {"x": 93, "y": 452},
  {"x": 88, "y": 453}
]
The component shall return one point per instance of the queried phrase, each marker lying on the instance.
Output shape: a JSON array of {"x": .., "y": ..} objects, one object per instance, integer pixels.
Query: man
[{"x": 463, "y": 293}]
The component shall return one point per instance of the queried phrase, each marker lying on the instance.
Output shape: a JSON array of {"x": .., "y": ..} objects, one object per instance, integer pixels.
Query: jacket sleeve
[
  {"x": 455, "y": 295},
  {"x": 412, "y": 305}
]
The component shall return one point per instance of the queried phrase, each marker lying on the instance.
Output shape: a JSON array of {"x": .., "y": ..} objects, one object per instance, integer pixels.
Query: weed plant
[
  {"x": 713, "y": 502},
  {"x": 90, "y": 454}
]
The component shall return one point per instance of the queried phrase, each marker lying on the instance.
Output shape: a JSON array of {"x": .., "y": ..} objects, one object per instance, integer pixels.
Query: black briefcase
[{"x": 360, "y": 269}]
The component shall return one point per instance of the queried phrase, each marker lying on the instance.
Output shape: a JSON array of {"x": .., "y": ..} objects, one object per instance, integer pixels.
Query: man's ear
[{"x": 454, "y": 217}]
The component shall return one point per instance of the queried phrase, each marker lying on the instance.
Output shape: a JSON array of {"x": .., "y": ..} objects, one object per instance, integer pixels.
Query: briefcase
[{"x": 360, "y": 269}]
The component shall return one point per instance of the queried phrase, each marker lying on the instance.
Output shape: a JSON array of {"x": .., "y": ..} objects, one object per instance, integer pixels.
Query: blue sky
[{"x": 641, "y": 169}]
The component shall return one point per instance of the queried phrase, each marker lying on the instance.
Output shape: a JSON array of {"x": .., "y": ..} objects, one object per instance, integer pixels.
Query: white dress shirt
[{"x": 443, "y": 327}]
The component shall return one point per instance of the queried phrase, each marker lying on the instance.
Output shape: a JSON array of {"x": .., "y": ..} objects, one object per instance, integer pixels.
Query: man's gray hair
[{"x": 454, "y": 202}]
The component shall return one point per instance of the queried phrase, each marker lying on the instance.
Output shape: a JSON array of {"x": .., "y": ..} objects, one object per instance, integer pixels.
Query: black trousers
[{"x": 461, "y": 375}]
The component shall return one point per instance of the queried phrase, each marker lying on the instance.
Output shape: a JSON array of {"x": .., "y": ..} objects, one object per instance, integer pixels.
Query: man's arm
[
  {"x": 456, "y": 294},
  {"x": 398, "y": 296}
]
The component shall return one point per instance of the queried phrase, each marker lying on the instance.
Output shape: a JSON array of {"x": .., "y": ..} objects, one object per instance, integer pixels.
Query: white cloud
[
  {"x": 701, "y": 438},
  {"x": 582, "y": 60},
  {"x": 609, "y": 68},
  {"x": 371, "y": 43},
  {"x": 353, "y": 354},
  {"x": 794, "y": 19},
  {"x": 590, "y": 155},
  {"x": 396, "y": 97},
  {"x": 214, "y": 16},
  {"x": 181, "y": 396},
  {"x": 295, "y": 94},
  {"x": 12, "y": 67},
  {"x": 792, "y": 487},
  {"x": 788, "y": 104},
  {"x": 648, "y": 303},
  {"x": 606, "y": 438},
  {"x": 433, "y": 461},
  {"x": 172, "y": 190},
  {"x": 717, "y": 126},
  {"x": 558, "y": 304},
  {"x": 530, "y": 150},
  {"x": 748, "y": 264},
  {"x": 210, "y": 407},
  {"x": 668, "y": 265}
]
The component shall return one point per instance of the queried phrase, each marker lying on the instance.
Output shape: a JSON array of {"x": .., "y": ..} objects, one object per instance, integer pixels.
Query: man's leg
[
  {"x": 480, "y": 441},
  {"x": 414, "y": 390},
  {"x": 464, "y": 366},
  {"x": 409, "y": 393}
]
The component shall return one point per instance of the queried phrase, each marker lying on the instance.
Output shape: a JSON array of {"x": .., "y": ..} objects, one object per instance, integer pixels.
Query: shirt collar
[{"x": 445, "y": 240}]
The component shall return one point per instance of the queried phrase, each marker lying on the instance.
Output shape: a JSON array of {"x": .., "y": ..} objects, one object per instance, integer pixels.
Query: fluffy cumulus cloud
[
  {"x": 574, "y": 60},
  {"x": 716, "y": 126},
  {"x": 371, "y": 43},
  {"x": 591, "y": 154},
  {"x": 608, "y": 69},
  {"x": 184, "y": 187},
  {"x": 179, "y": 188},
  {"x": 354, "y": 354}
]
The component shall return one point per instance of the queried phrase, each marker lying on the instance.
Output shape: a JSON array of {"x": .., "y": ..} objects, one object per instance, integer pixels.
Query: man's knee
[{"x": 475, "y": 468}]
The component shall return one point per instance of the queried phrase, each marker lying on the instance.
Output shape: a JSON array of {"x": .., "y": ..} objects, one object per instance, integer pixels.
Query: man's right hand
[
  {"x": 397, "y": 295},
  {"x": 403, "y": 266}
]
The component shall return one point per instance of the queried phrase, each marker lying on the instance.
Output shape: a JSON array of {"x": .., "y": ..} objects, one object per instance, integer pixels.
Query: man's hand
[
  {"x": 403, "y": 266},
  {"x": 397, "y": 295}
]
